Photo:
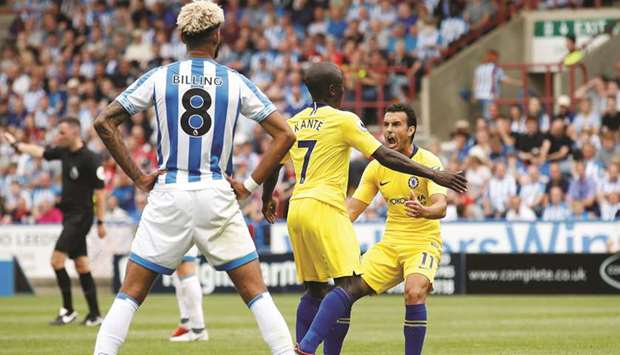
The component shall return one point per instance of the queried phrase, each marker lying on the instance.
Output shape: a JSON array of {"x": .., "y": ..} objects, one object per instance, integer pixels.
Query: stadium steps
[{"x": 442, "y": 96}]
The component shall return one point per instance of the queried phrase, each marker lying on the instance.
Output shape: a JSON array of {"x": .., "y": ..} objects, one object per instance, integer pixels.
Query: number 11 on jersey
[{"x": 308, "y": 144}]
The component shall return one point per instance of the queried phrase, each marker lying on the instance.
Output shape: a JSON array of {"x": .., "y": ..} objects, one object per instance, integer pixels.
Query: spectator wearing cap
[
  {"x": 582, "y": 187},
  {"x": 528, "y": 145},
  {"x": 556, "y": 209},
  {"x": 564, "y": 112}
]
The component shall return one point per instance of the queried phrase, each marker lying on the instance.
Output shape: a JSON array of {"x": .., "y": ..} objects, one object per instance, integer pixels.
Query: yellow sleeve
[
  {"x": 433, "y": 188},
  {"x": 367, "y": 188},
  {"x": 357, "y": 136}
]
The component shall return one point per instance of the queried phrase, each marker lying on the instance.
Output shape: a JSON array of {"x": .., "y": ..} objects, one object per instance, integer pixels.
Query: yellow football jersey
[
  {"x": 321, "y": 153},
  {"x": 396, "y": 189}
]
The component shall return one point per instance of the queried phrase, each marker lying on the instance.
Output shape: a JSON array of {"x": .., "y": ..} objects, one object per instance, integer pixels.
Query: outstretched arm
[
  {"x": 397, "y": 161},
  {"x": 30, "y": 149},
  {"x": 106, "y": 126}
]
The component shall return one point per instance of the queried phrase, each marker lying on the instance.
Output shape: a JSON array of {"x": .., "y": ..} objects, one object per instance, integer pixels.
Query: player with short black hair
[
  {"x": 411, "y": 245},
  {"x": 412, "y": 119},
  {"x": 324, "y": 242},
  {"x": 82, "y": 175}
]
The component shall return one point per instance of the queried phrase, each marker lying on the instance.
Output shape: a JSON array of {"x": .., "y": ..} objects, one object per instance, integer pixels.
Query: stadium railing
[
  {"x": 381, "y": 97},
  {"x": 574, "y": 72}
]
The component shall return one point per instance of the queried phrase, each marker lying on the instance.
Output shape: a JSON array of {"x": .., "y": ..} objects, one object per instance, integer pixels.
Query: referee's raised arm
[{"x": 30, "y": 149}]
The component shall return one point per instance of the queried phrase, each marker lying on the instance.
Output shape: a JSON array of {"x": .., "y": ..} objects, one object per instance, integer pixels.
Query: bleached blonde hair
[{"x": 199, "y": 16}]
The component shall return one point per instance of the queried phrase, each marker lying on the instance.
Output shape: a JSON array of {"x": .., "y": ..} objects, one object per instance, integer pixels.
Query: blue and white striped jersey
[{"x": 197, "y": 103}]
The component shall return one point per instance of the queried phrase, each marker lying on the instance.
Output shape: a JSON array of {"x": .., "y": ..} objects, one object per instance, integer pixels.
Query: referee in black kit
[{"x": 82, "y": 174}]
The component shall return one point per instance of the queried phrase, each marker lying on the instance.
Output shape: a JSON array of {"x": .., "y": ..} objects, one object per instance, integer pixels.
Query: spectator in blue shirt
[
  {"x": 125, "y": 192},
  {"x": 336, "y": 25},
  {"x": 582, "y": 188}
]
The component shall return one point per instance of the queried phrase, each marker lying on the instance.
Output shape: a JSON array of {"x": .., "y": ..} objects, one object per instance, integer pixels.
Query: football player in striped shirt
[{"x": 197, "y": 103}]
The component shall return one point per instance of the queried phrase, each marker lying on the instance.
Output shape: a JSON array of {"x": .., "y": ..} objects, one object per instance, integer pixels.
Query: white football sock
[
  {"x": 272, "y": 326},
  {"x": 115, "y": 326},
  {"x": 178, "y": 292},
  {"x": 192, "y": 295}
]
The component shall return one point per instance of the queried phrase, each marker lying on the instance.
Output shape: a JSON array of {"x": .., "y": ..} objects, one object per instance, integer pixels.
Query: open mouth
[{"x": 390, "y": 141}]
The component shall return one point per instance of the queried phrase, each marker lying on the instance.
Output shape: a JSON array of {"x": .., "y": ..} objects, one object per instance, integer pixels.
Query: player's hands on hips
[
  {"x": 269, "y": 210},
  {"x": 147, "y": 181},
  {"x": 101, "y": 231},
  {"x": 240, "y": 191},
  {"x": 451, "y": 180},
  {"x": 413, "y": 207}
]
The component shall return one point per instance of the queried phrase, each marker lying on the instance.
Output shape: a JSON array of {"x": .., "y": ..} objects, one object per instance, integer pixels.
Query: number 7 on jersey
[{"x": 308, "y": 144}]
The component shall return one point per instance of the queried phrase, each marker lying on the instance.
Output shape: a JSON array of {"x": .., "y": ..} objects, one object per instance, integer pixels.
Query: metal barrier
[
  {"x": 358, "y": 104},
  {"x": 548, "y": 97}
]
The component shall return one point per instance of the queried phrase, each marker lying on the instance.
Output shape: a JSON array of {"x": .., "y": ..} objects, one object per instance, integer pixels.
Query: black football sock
[
  {"x": 90, "y": 293},
  {"x": 64, "y": 283}
]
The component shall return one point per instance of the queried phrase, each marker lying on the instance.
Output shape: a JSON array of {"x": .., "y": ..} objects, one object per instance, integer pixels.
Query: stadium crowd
[{"x": 72, "y": 58}]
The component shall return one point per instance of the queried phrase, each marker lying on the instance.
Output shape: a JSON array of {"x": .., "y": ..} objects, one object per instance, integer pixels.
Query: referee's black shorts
[{"x": 72, "y": 240}]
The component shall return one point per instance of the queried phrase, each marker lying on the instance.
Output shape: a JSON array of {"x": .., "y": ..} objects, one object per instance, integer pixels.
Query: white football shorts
[{"x": 174, "y": 220}]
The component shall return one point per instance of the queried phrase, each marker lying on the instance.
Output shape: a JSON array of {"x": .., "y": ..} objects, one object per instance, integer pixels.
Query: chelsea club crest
[{"x": 413, "y": 182}]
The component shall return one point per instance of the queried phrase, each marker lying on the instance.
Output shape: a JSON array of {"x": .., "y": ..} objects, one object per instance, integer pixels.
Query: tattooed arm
[{"x": 106, "y": 126}]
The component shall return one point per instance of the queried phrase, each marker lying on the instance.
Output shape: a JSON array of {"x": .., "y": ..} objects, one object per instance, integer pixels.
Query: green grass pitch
[{"x": 457, "y": 325}]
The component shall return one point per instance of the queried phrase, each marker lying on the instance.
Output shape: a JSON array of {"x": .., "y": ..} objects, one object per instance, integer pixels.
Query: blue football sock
[
  {"x": 306, "y": 310},
  {"x": 415, "y": 328},
  {"x": 337, "y": 304},
  {"x": 333, "y": 342}
]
